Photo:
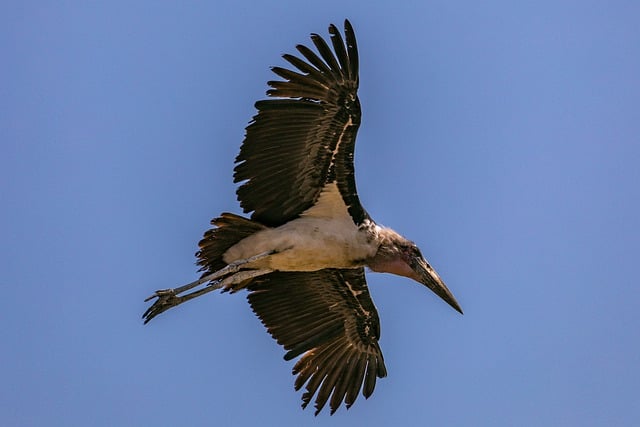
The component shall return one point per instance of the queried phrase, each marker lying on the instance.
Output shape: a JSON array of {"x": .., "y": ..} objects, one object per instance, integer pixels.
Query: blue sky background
[{"x": 502, "y": 137}]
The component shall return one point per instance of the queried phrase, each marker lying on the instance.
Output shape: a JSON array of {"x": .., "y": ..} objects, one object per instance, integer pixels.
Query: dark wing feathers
[
  {"x": 352, "y": 51},
  {"x": 341, "y": 53},
  {"x": 304, "y": 137},
  {"x": 328, "y": 317},
  {"x": 328, "y": 57}
]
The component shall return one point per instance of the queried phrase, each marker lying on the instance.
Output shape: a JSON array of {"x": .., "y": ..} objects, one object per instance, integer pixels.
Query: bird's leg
[
  {"x": 167, "y": 299},
  {"x": 232, "y": 268},
  {"x": 231, "y": 274},
  {"x": 241, "y": 276}
]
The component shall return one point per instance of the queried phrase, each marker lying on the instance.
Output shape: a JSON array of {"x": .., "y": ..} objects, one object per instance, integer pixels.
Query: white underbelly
[{"x": 306, "y": 244}]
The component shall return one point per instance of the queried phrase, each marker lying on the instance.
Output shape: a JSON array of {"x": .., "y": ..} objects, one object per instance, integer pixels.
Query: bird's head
[{"x": 400, "y": 256}]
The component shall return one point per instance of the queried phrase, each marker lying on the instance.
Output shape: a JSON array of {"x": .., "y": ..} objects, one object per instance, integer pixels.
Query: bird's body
[
  {"x": 314, "y": 241},
  {"x": 303, "y": 252}
]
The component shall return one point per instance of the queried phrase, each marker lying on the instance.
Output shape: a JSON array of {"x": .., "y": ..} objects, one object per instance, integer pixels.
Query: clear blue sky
[{"x": 504, "y": 139}]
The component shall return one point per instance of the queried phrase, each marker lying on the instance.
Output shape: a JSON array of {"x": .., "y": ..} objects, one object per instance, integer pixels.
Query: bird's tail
[{"x": 228, "y": 230}]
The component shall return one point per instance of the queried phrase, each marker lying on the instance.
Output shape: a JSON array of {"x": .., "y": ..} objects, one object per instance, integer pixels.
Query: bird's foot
[
  {"x": 224, "y": 278},
  {"x": 166, "y": 298}
]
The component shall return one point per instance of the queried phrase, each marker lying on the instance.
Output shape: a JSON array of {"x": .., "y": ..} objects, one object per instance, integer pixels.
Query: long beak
[{"x": 426, "y": 275}]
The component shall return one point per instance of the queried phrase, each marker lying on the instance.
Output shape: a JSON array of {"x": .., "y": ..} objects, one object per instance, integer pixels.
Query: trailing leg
[{"x": 224, "y": 278}]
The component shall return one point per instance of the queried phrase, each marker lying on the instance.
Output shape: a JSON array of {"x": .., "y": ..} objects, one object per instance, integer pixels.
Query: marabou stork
[{"x": 301, "y": 255}]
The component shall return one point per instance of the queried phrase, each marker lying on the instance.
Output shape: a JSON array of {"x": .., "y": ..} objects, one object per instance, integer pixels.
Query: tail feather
[{"x": 228, "y": 230}]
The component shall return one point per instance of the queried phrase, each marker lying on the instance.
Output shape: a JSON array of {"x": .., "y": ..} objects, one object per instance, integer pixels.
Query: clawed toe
[{"x": 162, "y": 293}]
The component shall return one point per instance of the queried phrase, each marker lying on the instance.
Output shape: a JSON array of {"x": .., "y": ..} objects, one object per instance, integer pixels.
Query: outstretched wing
[
  {"x": 304, "y": 139},
  {"x": 329, "y": 318}
]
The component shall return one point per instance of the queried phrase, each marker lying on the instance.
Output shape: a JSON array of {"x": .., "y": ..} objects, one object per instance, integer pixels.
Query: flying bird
[{"x": 302, "y": 253}]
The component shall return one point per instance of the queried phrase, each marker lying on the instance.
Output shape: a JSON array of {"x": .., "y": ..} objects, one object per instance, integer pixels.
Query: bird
[{"x": 301, "y": 253}]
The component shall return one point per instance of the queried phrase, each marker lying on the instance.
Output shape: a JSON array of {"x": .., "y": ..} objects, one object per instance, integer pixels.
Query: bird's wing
[
  {"x": 304, "y": 139},
  {"x": 329, "y": 316}
]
